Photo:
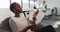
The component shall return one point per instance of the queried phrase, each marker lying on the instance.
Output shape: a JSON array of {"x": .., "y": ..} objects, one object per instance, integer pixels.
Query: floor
[{"x": 54, "y": 21}]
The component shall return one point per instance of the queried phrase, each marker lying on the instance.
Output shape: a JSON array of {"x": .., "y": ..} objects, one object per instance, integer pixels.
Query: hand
[
  {"x": 35, "y": 14},
  {"x": 32, "y": 26}
]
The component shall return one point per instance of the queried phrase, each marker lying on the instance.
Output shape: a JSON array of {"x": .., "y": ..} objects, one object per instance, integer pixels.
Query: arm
[
  {"x": 34, "y": 16},
  {"x": 33, "y": 24},
  {"x": 35, "y": 13},
  {"x": 34, "y": 19},
  {"x": 13, "y": 26},
  {"x": 24, "y": 30}
]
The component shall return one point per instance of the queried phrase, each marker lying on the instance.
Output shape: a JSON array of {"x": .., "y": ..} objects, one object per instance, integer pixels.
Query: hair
[
  {"x": 44, "y": 1},
  {"x": 12, "y": 6}
]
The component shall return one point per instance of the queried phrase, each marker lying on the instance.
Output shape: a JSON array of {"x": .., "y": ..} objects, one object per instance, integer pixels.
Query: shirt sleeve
[{"x": 13, "y": 26}]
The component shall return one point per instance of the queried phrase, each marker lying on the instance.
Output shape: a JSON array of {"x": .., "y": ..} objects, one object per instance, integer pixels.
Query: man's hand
[
  {"x": 32, "y": 26},
  {"x": 35, "y": 14}
]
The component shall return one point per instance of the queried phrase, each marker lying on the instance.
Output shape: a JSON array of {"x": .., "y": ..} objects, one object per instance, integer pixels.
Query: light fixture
[{"x": 33, "y": 0}]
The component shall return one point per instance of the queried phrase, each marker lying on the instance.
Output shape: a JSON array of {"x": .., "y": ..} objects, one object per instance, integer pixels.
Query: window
[
  {"x": 4, "y": 3},
  {"x": 25, "y": 3},
  {"x": 18, "y": 1},
  {"x": 29, "y": 4}
]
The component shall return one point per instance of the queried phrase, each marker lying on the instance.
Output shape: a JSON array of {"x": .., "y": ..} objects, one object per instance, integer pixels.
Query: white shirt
[
  {"x": 21, "y": 22},
  {"x": 42, "y": 7}
]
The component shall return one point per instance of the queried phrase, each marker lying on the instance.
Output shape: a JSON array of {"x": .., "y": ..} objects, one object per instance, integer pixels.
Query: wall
[
  {"x": 51, "y": 4},
  {"x": 54, "y": 3},
  {"x": 4, "y": 13}
]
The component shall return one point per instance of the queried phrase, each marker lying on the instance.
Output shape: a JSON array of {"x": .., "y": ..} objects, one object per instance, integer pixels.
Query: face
[
  {"x": 44, "y": 2},
  {"x": 18, "y": 9}
]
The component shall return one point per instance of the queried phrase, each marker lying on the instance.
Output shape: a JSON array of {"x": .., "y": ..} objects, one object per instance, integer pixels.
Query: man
[
  {"x": 43, "y": 5},
  {"x": 17, "y": 23}
]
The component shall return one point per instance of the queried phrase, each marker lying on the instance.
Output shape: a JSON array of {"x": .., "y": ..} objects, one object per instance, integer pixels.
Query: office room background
[{"x": 5, "y": 11}]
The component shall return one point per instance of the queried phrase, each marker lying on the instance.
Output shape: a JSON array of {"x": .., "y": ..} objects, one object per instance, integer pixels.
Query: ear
[{"x": 13, "y": 10}]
